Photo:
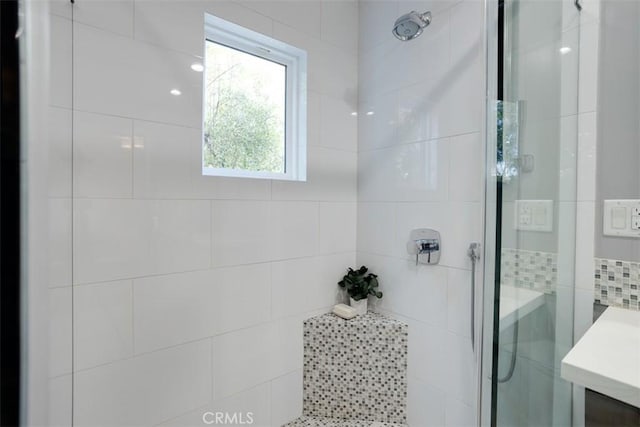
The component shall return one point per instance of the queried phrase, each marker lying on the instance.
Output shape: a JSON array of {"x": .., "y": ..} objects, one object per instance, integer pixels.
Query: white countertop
[
  {"x": 515, "y": 303},
  {"x": 607, "y": 357}
]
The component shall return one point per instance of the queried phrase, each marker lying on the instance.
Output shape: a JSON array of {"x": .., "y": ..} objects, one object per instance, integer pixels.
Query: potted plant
[{"x": 359, "y": 285}]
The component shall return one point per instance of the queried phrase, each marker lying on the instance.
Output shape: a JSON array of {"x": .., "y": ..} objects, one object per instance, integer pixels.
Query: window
[{"x": 254, "y": 104}]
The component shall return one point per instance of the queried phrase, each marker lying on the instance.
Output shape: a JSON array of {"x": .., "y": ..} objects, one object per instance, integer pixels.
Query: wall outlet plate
[
  {"x": 621, "y": 218},
  {"x": 533, "y": 215}
]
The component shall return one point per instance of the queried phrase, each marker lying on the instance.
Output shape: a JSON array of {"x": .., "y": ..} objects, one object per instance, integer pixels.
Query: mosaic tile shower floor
[{"x": 334, "y": 422}]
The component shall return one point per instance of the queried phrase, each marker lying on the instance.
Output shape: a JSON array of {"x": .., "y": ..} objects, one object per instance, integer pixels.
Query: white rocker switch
[{"x": 619, "y": 218}]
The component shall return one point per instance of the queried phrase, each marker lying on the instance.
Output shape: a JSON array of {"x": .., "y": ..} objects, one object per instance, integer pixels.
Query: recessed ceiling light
[
  {"x": 175, "y": 92},
  {"x": 565, "y": 49},
  {"x": 196, "y": 66},
  {"x": 355, "y": 113},
  {"x": 370, "y": 113}
]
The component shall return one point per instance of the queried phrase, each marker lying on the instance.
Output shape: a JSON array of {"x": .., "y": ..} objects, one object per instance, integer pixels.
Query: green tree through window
[{"x": 244, "y": 126}]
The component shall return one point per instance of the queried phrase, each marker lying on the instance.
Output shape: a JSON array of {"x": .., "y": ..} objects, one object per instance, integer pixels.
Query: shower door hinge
[{"x": 577, "y": 3}]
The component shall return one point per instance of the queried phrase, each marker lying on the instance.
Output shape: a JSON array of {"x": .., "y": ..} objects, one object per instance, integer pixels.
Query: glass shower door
[{"x": 534, "y": 196}]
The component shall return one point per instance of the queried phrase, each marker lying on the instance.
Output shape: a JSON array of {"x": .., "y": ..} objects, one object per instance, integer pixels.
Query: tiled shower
[
  {"x": 173, "y": 292},
  {"x": 173, "y": 296}
]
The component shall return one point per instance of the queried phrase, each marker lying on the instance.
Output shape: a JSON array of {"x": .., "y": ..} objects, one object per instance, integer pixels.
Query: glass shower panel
[{"x": 535, "y": 168}]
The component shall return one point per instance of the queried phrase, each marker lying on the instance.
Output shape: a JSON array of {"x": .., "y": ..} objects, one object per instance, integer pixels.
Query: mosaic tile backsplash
[
  {"x": 529, "y": 269},
  {"x": 617, "y": 282},
  {"x": 355, "y": 369}
]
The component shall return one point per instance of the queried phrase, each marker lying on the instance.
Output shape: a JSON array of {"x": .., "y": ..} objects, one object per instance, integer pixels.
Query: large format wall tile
[
  {"x": 331, "y": 176},
  {"x": 168, "y": 164},
  {"x": 59, "y": 244},
  {"x": 111, "y": 15},
  {"x": 305, "y": 284},
  {"x": 241, "y": 232},
  {"x": 145, "y": 390},
  {"x": 286, "y": 398},
  {"x": 60, "y": 327},
  {"x": 103, "y": 324},
  {"x": 183, "y": 307},
  {"x": 159, "y": 271},
  {"x": 179, "y": 25},
  {"x": 248, "y": 232},
  {"x": 256, "y": 400},
  {"x": 60, "y": 76},
  {"x": 409, "y": 172},
  {"x": 102, "y": 156},
  {"x": 115, "y": 239},
  {"x": 244, "y": 358},
  {"x": 337, "y": 231},
  {"x": 60, "y": 120},
  {"x": 118, "y": 76}
]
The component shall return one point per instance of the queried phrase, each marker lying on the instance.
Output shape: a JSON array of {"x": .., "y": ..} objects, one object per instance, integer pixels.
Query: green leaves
[
  {"x": 359, "y": 285},
  {"x": 244, "y": 125}
]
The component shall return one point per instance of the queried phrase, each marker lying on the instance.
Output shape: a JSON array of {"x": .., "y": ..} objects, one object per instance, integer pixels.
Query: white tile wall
[
  {"x": 241, "y": 231},
  {"x": 408, "y": 172},
  {"x": 60, "y": 327},
  {"x": 419, "y": 166},
  {"x": 256, "y": 400},
  {"x": 255, "y": 355},
  {"x": 285, "y": 402},
  {"x": 336, "y": 227},
  {"x": 134, "y": 79},
  {"x": 60, "y": 401},
  {"x": 249, "y": 261},
  {"x": 115, "y": 15},
  {"x": 59, "y": 242},
  {"x": 331, "y": 176},
  {"x": 178, "y": 25},
  {"x": 102, "y": 156},
  {"x": 124, "y": 238},
  {"x": 426, "y": 405},
  {"x": 144, "y": 390},
  {"x": 190, "y": 291},
  {"x": 60, "y": 152},
  {"x": 183, "y": 307},
  {"x": 306, "y": 284},
  {"x": 339, "y": 24},
  {"x": 61, "y": 65},
  {"x": 103, "y": 324}
]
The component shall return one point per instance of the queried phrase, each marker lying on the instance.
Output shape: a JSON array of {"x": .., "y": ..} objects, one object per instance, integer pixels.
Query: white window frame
[{"x": 294, "y": 59}]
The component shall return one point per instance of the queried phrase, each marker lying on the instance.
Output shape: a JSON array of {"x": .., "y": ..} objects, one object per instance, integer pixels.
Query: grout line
[
  {"x": 120, "y": 116},
  {"x": 211, "y": 233},
  {"x": 133, "y": 153},
  {"x": 72, "y": 214},
  {"x": 214, "y": 268},
  {"x": 133, "y": 318},
  {"x": 418, "y": 141},
  {"x": 290, "y": 317}
]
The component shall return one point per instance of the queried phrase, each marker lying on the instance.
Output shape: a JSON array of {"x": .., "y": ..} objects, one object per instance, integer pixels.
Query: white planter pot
[{"x": 360, "y": 305}]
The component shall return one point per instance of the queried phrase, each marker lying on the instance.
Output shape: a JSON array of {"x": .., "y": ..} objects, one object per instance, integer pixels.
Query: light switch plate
[
  {"x": 621, "y": 218},
  {"x": 533, "y": 215}
]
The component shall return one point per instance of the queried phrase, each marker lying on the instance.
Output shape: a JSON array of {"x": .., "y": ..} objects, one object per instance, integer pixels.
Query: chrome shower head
[{"x": 411, "y": 25}]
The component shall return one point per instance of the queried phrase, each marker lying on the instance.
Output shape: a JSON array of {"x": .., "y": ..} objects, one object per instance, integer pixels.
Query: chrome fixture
[
  {"x": 424, "y": 243},
  {"x": 474, "y": 254},
  {"x": 410, "y": 25}
]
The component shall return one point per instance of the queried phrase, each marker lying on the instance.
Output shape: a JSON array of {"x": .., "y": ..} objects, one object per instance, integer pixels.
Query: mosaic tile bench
[{"x": 355, "y": 372}]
